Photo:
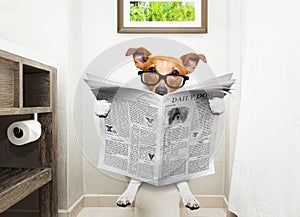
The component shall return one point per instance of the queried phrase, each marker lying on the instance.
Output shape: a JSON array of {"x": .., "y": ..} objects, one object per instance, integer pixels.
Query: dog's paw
[
  {"x": 189, "y": 201},
  {"x": 102, "y": 108},
  {"x": 125, "y": 199},
  {"x": 129, "y": 194},
  {"x": 217, "y": 105},
  {"x": 123, "y": 203},
  {"x": 187, "y": 197}
]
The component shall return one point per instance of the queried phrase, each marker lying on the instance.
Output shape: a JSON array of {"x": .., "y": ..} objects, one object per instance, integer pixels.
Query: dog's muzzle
[{"x": 161, "y": 90}]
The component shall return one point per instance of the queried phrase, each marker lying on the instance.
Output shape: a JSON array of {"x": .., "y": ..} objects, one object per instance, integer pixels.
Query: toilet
[{"x": 153, "y": 201}]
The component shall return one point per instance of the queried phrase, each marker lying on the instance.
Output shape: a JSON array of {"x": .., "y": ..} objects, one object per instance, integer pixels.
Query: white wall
[
  {"x": 235, "y": 51},
  {"x": 265, "y": 170}
]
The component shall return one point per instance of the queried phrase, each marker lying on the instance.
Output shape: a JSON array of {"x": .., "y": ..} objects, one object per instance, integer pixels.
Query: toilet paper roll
[{"x": 23, "y": 132}]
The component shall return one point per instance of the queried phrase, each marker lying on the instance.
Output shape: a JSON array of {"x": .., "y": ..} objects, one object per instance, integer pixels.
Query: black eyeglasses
[{"x": 151, "y": 78}]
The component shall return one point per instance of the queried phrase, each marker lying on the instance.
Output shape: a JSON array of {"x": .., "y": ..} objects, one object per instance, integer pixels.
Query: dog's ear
[
  {"x": 140, "y": 56},
  {"x": 190, "y": 60}
]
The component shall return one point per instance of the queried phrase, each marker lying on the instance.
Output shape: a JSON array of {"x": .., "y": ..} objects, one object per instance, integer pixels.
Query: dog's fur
[{"x": 163, "y": 65}]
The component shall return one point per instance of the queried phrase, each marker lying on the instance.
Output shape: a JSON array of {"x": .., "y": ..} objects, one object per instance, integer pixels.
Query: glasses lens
[
  {"x": 174, "y": 81},
  {"x": 150, "y": 78}
]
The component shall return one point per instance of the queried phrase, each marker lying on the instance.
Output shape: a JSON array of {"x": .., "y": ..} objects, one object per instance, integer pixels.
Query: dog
[{"x": 166, "y": 75}]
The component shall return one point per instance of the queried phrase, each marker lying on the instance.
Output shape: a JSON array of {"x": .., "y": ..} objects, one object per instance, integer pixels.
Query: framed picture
[{"x": 161, "y": 16}]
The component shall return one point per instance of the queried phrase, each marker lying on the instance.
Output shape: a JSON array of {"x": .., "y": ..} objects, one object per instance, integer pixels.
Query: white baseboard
[{"x": 91, "y": 200}]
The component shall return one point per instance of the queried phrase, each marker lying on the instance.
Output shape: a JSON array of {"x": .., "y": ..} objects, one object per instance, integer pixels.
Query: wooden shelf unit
[
  {"x": 28, "y": 87},
  {"x": 17, "y": 183}
]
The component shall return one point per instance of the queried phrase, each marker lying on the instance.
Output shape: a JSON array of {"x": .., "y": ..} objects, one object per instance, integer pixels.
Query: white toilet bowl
[{"x": 152, "y": 201}]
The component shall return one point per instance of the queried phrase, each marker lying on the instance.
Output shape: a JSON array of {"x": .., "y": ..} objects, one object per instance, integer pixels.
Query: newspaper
[{"x": 159, "y": 139}]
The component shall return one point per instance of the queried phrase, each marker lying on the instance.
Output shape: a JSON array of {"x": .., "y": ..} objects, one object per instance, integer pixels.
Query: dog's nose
[{"x": 161, "y": 90}]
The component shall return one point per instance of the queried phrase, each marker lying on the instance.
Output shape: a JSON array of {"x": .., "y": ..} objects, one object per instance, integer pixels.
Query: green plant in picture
[{"x": 162, "y": 11}]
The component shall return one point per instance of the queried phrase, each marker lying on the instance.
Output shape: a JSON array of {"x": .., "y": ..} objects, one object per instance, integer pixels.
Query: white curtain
[{"x": 266, "y": 169}]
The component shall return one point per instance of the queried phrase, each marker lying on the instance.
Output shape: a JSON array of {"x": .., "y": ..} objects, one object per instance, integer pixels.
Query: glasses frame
[{"x": 164, "y": 77}]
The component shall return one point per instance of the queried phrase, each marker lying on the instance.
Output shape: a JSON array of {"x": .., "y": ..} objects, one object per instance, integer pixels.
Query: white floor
[{"x": 128, "y": 212}]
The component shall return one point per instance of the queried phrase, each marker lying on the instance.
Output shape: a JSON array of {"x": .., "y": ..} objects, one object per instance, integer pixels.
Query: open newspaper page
[
  {"x": 159, "y": 139},
  {"x": 103, "y": 89},
  {"x": 189, "y": 132},
  {"x": 131, "y": 134}
]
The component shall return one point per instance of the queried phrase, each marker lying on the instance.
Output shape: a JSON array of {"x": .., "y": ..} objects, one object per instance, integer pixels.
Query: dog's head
[{"x": 173, "y": 70}]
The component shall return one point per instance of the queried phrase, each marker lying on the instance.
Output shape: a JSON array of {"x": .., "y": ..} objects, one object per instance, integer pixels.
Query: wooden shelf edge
[
  {"x": 20, "y": 183},
  {"x": 24, "y": 111}
]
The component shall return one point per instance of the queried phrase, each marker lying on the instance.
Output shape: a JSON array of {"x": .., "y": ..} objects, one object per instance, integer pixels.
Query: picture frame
[{"x": 142, "y": 21}]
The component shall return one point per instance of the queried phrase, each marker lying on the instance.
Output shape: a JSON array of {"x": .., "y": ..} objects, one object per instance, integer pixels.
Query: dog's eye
[
  {"x": 152, "y": 69},
  {"x": 175, "y": 72}
]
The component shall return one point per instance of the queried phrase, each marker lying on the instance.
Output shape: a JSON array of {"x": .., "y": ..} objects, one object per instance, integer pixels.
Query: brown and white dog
[{"x": 162, "y": 65}]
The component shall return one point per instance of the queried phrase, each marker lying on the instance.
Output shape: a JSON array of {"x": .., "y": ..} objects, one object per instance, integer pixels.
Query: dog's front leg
[
  {"x": 129, "y": 194},
  {"x": 187, "y": 197},
  {"x": 102, "y": 108},
  {"x": 217, "y": 105}
]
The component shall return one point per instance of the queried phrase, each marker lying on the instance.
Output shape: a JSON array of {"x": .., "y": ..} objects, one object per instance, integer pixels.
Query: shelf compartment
[
  {"x": 18, "y": 183},
  {"x": 9, "y": 80},
  {"x": 36, "y": 87}
]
